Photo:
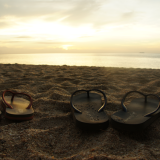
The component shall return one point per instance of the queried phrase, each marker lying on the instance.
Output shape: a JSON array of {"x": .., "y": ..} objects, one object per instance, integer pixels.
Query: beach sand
[{"x": 53, "y": 135}]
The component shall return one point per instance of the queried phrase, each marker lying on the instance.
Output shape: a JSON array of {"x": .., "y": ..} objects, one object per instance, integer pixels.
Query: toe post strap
[{"x": 12, "y": 98}]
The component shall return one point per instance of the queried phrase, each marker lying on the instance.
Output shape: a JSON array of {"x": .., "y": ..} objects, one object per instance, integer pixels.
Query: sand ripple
[{"x": 52, "y": 133}]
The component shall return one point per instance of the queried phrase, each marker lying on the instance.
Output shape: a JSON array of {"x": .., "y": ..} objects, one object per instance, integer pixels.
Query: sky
[{"x": 79, "y": 26}]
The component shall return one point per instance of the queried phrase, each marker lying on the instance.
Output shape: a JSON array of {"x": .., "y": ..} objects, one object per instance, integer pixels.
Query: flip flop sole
[
  {"x": 20, "y": 118},
  {"x": 90, "y": 118},
  {"x": 134, "y": 119},
  {"x": 19, "y": 111}
]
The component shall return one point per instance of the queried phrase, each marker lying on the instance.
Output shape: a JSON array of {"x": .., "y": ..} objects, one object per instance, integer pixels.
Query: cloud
[
  {"x": 78, "y": 12},
  {"x": 35, "y": 42},
  {"x": 85, "y": 36},
  {"x": 10, "y": 42},
  {"x": 128, "y": 15},
  {"x": 50, "y": 23},
  {"x": 5, "y": 25},
  {"x": 83, "y": 11},
  {"x": 52, "y": 42},
  {"x": 27, "y": 8},
  {"x": 71, "y": 12},
  {"x": 23, "y": 37}
]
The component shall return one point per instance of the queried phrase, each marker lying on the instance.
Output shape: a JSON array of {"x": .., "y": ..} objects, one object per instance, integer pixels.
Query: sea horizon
[{"x": 126, "y": 60}]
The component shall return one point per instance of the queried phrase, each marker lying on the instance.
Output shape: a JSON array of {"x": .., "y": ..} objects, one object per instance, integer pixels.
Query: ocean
[{"x": 126, "y": 60}]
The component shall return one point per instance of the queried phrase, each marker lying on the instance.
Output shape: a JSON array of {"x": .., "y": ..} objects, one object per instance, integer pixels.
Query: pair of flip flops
[
  {"x": 88, "y": 111},
  {"x": 17, "y": 106}
]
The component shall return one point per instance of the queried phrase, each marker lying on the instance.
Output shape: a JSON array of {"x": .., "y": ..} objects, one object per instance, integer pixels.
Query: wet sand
[{"x": 53, "y": 135}]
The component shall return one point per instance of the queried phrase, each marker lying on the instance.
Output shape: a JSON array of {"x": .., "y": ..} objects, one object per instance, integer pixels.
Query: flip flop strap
[
  {"x": 145, "y": 95},
  {"x": 13, "y": 95},
  {"x": 100, "y": 109}
]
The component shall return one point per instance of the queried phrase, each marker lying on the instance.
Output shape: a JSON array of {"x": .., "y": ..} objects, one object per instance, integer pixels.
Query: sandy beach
[{"x": 53, "y": 135}]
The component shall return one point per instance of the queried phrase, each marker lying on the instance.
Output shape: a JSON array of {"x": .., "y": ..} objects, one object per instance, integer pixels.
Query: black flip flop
[
  {"x": 88, "y": 111},
  {"x": 139, "y": 114},
  {"x": 17, "y": 108}
]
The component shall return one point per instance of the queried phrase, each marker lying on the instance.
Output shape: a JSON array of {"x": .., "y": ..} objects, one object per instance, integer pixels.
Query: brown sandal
[{"x": 17, "y": 108}]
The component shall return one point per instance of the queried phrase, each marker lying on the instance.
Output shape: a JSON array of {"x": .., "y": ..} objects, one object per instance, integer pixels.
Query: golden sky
[{"x": 53, "y": 26}]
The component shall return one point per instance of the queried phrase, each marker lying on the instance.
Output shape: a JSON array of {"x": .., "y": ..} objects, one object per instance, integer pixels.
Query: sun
[{"x": 66, "y": 46}]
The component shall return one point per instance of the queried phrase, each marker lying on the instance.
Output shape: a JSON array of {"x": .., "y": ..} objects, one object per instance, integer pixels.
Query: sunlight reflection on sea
[{"x": 126, "y": 60}]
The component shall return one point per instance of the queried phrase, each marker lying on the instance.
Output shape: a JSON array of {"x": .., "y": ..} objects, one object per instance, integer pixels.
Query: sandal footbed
[
  {"x": 19, "y": 110},
  {"x": 134, "y": 118},
  {"x": 90, "y": 118}
]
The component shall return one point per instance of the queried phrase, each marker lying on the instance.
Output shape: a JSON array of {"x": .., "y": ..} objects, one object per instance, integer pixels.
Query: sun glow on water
[{"x": 126, "y": 60}]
